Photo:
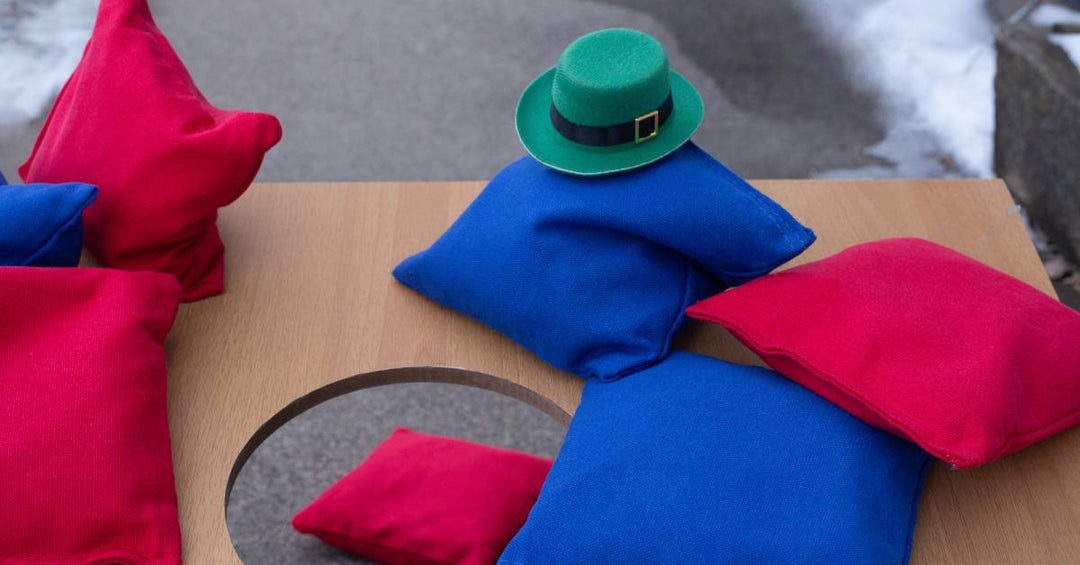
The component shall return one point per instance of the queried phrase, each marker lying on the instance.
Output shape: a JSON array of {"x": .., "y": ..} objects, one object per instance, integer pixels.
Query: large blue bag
[
  {"x": 696, "y": 460},
  {"x": 593, "y": 274},
  {"x": 41, "y": 224}
]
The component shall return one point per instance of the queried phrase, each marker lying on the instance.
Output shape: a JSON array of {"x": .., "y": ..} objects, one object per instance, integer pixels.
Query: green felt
[
  {"x": 540, "y": 138},
  {"x": 609, "y": 77}
]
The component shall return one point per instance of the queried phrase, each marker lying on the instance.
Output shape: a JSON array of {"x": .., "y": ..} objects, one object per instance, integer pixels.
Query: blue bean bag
[
  {"x": 593, "y": 274},
  {"x": 696, "y": 460},
  {"x": 41, "y": 224}
]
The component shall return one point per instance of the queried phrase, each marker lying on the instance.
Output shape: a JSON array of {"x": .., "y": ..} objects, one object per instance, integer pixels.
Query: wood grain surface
[{"x": 311, "y": 304}]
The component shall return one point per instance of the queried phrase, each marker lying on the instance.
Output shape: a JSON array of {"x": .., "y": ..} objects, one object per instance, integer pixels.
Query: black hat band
[{"x": 642, "y": 128}]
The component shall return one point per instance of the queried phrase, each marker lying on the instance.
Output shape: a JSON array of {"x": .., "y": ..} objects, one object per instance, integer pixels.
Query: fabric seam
[
  {"x": 783, "y": 224},
  {"x": 742, "y": 335},
  {"x": 961, "y": 461},
  {"x": 77, "y": 216},
  {"x": 665, "y": 346},
  {"x": 914, "y": 510}
]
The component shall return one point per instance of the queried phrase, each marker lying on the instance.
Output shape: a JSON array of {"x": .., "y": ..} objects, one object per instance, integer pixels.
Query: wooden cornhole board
[{"x": 311, "y": 304}]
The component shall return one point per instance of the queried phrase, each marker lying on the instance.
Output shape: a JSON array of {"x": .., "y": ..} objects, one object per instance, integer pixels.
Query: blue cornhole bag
[
  {"x": 696, "y": 460},
  {"x": 593, "y": 274},
  {"x": 41, "y": 224}
]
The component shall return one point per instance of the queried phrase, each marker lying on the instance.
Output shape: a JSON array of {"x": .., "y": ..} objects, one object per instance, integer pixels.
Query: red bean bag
[
  {"x": 85, "y": 464},
  {"x": 421, "y": 499},
  {"x": 919, "y": 340},
  {"x": 131, "y": 121}
]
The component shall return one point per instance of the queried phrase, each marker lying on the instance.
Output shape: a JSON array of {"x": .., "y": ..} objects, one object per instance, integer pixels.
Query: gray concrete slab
[
  {"x": 425, "y": 90},
  {"x": 313, "y": 450}
]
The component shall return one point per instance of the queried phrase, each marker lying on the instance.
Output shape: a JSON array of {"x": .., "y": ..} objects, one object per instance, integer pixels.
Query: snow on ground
[
  {"x": 1050, "y": 14},
  {"x": 932, "y": 63},
  {"x": 41, "y": 41}
]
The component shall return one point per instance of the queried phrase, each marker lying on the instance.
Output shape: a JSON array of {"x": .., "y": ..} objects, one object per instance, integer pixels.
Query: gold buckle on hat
[{"x": 655, "y": 117}]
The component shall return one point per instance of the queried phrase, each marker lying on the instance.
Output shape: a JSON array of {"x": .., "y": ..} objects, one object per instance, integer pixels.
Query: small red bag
[
  {"x": 131, "y": 121},
  {"x": 85, "y": 464},
  {"x": 420, "y": 499},
  {"x": 919, "y": 340}
]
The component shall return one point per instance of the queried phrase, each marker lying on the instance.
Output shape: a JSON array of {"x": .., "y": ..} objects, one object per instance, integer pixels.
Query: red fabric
[
  {"x": 131, "y": 121},
  {"x": 917, "y": 339},
  {"x": 85, "y": 464},
  {"x": 421, "y": 499}
]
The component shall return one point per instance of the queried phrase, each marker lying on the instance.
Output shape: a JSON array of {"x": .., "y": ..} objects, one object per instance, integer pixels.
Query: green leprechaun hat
[{"x": 611, "y": 104}]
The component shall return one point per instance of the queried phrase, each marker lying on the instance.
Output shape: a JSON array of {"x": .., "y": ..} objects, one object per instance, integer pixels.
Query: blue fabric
[
  {"x": 593, "y": 274},
  {"x": 696, "y": 460},
  {"x": 41, "y": 224},
  {"x": 3, "y": 180}
]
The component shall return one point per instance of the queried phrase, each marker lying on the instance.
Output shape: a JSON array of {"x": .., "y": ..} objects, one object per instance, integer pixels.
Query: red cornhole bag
[
  {"x": 85, "y": 464},
  {"x": 919, "y": 340},
  {"x": 420, "y": 499},
  {"x": 131, "y": 121}
]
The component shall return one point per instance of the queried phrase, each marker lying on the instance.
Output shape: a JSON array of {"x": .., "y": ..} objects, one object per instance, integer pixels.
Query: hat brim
[{"x": 543, "y": 141}]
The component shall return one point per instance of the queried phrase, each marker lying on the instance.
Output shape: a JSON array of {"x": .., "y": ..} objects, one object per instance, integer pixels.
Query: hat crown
[{"x": 610, "y": 77}]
